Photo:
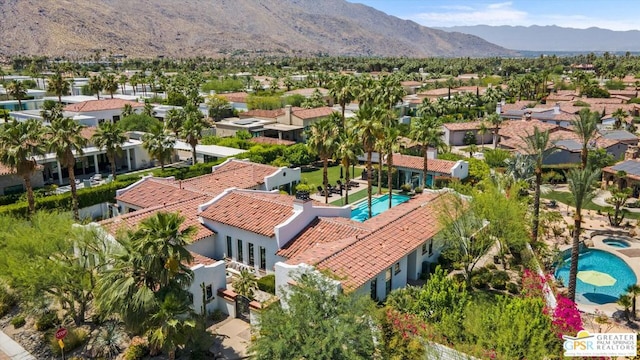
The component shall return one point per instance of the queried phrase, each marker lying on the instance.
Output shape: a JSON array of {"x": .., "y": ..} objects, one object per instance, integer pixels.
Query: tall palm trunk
[
  {"x": 112, "y": 162},
  {"x": 74, "y": 193},
  {"x": 379, "y": 173},
  {"x": 575, "y": 251},
  {"x": 19, "y": 104},
  {"x": 495, "y": 138},
  {"x": 193, "y": 154},
  {"x": 583, "y": 156},
  {"x": 325, "y": 179},
  {"x": 30, "y": 199},
  {"x": 343, "y": 105},
  {"x": 389, "y": 177},
  {"x": 346, "y": 184},
  {"x": 425, "y": 166},
  {"x": 536, "y": 206},
  {"x": 369, "y": 181}
]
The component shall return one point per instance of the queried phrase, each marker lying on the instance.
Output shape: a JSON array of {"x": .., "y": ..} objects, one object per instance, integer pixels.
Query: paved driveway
[{"x": 234, "y": 336}]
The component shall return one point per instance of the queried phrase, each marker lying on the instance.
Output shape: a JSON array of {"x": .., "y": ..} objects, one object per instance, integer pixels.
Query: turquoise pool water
[
  {"x": 605, "y": 262},
  {"x": 378, "y": 205},
  {"x": 617, "y": 243}
]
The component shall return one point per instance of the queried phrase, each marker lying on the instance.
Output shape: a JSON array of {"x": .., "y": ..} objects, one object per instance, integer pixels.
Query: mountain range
[
  {"x": 186, "y": 28},
  {"x": 554, "y": 38}
]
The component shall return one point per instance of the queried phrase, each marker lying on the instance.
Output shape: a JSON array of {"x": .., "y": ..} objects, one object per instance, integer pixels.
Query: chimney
[
  {"x": 556, "y": 109},
  {"x": 527, "y": 115},
  {"x": 302, "y": 201},
  {"x": 287, "y": 114},
  {"x": 503, "y": 102},
  {"x": 498, "y": 108},
  {"x": 631, "y": 153}
]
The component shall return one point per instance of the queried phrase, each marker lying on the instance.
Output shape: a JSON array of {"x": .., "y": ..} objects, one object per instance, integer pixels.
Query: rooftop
[
  {"x": 102, "y": 104},
  {"x": 417, "y": 163}
]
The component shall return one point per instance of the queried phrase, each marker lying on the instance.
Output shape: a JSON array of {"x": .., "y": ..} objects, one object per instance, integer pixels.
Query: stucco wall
[
  {"x": 281, "y": 177},
  {"x": 214, "y": 275},
  {"x": 37, "y": 181},
  {"x": 460, "y": 170}
]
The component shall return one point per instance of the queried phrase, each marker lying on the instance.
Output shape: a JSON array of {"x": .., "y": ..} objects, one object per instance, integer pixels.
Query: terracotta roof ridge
[
  {"x": 362, "y": 237},
  {"x": 347, "y": 222},
  {"x": 263, "y": 196}
]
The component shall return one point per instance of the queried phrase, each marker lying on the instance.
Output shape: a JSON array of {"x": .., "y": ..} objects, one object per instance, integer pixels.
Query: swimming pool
[
  {"x": 378, "y": 205},
  {"x": 598, "y": 260},
  {"x": 617, "y": 243}
]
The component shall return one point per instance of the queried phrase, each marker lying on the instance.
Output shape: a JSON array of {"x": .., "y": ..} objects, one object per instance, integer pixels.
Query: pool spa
[
  {"x": 608, "y": 266},
  {"x": 379, "y": 205},
  {"x": 616, "y": 243}
]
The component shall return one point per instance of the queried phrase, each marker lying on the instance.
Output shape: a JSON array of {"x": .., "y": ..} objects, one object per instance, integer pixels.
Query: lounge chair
[
  {"x": 322, "y": 193},
  {"x": 354, "y": 184},
  {"x": 334, "y": 189},
  {"x": 341, "y": 185}
]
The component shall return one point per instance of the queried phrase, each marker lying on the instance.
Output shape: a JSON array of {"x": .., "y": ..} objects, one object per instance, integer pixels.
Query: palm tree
[
  {"x": 174, "y": 120},
  {"x": 65, "y": 138},
  {"x": 349, "y": 148},
  {"x": 619, "y": 115},
  {"x": 96, "y": 84},
  {"x": 496, "y": 121},
  {"x": 322, "y": 139},
  {"x": 427, "y": 131},
  {"x": 18, "y": 91},
  {"x": 482, "y": 130},
  {"x": 245, "y": 284},
  {"x": 59, "y": 86},
  {"x": 110, "y": 137},
  {"x": 341, "y": 89},
  {"x": 172, "y": 325},
  {"x": 633, "y": 290},
  {"x": 123, "y": 81},
  {"x": 20, "y": 143},
  {"x": 110, "y": 84},
  {"x": 368, "y": 123},
  {"x": 149, "y": 264},
  {"x": 134, "y": 80},
  {"x": 625, "y": 302},
  {"x": 581, "y": 183},
  {"x": 159, "y": 144},
  {"x": 390, "y": 142},
  {"x": 127, "y": 110},
  {"x": 538, "y": 147},
  {"x": 192, "y": 129},
  {"x": 585, "y": 126}
]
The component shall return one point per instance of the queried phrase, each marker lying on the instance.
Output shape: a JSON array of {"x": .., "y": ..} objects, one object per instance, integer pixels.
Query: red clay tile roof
[
  {"x": 370, "y": 254},
  {"x": 258, "y": 113},
  {"x": 251, "y": 211},
  {"x": 235, "y": 173},
  {"x": 465, "y": 126},
  {"x": 187, "y": 208},
  {"x": 102, "y": 104},
  {"x": 201, "y": 260},
  {"x": 5, "y": 170},
  {"x": 417, "y": 163},
  {"x": 154, "y": 192},
  {"x": 87, "y": 132},
  {"x": 320, "y": 234},
  {"x": 313, "y": 113},
  {"x": 271, "y": 141}
]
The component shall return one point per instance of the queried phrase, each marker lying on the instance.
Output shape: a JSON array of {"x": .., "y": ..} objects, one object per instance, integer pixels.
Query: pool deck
[{"x": 629, "y": 255}]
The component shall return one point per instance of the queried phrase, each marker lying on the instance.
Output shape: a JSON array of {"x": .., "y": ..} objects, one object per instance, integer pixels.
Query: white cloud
[{"x": 491, "y": 14}]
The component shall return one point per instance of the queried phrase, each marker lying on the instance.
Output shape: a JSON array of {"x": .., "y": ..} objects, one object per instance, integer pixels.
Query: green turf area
[
  {"x": 565, "y": 198},
  {"x": 333, "y": 173},
  {"x": 358, "y": 193}
]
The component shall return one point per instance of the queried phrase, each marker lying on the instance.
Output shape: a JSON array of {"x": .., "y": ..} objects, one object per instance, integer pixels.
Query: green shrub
[
  {"x": 513, "y": 288},
  {"x": 18, "y": 321},
  {"x": 267, "y": 283},
  {"x": 418, "y": 190},
  {"x": 74, "y": 339},
  {"x": 499, "y": 280},
  {"x": 47, "y": 321},
  {"x": 496, "y": 157},
  {"x": 136, "y": 352},
  {"x": 7, "y": 301},
  {"x": 459, "y": 278},
  {"x": 481, "y": 280},
  {"x": 491, "y": 266},
  {"x": 405, "y": 187}
]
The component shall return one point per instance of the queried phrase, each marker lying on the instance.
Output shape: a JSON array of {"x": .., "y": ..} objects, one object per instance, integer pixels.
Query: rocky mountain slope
[{"x": 188, "y": 28}]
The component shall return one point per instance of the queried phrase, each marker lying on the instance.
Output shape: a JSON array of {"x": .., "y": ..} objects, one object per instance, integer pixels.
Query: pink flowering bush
[{"x": 566, "y": 318}]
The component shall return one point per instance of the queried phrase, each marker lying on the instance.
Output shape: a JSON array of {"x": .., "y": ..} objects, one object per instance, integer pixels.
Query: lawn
[
  {"x": 333, "y": 173},
  {"x": 565, "y": 198},
  {"x": 358, "y": 193}
]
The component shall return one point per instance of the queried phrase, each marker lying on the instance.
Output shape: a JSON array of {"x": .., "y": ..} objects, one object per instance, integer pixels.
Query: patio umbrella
[{"x": 596, "y": 278}]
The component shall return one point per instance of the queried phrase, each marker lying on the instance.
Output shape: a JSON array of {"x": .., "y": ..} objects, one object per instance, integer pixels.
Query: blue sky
[{"x": 607, "y": 14}]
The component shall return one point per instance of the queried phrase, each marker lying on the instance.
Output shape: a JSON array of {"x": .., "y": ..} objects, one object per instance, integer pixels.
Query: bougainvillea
[
  {"x": 533, "y": 284},
  {"x": 566, "y": 317},
  {"x": 403, "y": 334}
]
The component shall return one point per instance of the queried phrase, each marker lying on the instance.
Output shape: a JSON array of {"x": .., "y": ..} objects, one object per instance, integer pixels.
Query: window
[
  {"x": 190, "y": 297},
  {"x": 209, "y": 291},
  {"x": 430, "y": 247},
  {"x": 396, "y": 268},
  {"x": 387, "y": 278},
  {"x": 424, "y": 248},
  {"x": 263, "y": 258},
  {"x": 240, "y": 257},
  {"x": 252, "y": 261},
  {"x": 229, "y": 247},
  {"x": 374, "y": 288}
]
